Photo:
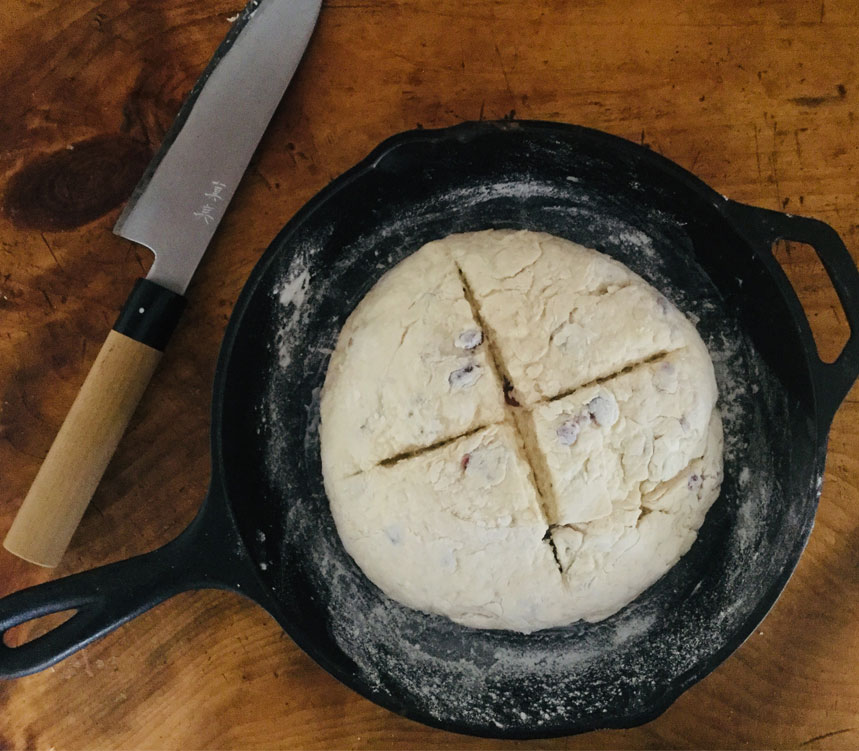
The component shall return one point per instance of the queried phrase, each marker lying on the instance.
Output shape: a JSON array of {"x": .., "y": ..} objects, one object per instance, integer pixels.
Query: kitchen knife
[{"x": 174, "y": 210}]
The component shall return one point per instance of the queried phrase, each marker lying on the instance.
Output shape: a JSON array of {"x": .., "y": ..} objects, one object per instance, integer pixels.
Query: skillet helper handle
[
  {"x": 832, "y": 381},
  {"x": 94, "y": 425}
]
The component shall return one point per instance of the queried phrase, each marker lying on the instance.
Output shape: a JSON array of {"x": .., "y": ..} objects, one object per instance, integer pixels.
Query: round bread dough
[{"x": 518, "y": 432}]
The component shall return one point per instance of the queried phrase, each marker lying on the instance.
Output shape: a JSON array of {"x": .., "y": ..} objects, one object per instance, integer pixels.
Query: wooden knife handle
[{"x": 94, "y": 426}]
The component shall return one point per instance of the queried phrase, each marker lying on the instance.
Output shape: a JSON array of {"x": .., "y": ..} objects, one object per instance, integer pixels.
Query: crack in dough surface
[
  {"x": 465, "y": 540},
  {"x": 559, "y": 496},
  {"x": 562, "y": 315},
  {"x": 608, "y": 562},
  {"x": 634, "y": 431},
  {"x": 400, "y": 378}
]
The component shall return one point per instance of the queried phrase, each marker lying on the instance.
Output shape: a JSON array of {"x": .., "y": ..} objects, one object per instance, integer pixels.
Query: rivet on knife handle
[{"x": 97, "y": 420}]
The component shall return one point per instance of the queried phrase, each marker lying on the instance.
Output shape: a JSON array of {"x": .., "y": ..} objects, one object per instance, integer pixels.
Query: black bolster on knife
[{"x": 150, "y": 314}]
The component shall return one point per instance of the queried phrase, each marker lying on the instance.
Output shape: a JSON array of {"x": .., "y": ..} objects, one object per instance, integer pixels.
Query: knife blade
[
  {"x": 180, "y": 200},
  {"x": 174, "y": 210}
]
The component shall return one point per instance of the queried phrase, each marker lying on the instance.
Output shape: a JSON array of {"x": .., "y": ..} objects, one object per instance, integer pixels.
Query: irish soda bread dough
[{"x": 518, "y": 432}]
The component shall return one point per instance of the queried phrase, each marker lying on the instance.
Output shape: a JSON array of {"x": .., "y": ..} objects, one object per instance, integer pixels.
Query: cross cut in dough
[{"x": 518, "y": 432}]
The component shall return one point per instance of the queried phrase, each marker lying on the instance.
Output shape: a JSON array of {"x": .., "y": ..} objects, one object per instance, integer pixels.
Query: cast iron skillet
[{"x": 265, "y": 529}]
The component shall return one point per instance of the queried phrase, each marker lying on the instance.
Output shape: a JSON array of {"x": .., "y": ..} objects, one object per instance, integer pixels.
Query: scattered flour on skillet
[
  {"x": 479, "y": 678},
  {"x": 292, "y": 294}
]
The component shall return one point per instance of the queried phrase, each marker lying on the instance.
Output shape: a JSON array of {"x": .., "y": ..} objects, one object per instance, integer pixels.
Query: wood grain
[{"x": 758, "y": 99}]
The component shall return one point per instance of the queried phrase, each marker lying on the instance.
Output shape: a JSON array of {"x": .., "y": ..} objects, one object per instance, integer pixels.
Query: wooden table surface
[{"x": 757, "y": 98}]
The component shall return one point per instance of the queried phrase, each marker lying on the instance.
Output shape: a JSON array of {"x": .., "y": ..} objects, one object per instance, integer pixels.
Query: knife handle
[{"x": 94, "y": 425}]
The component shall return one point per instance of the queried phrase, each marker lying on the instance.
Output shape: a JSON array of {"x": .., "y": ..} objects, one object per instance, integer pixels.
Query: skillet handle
[
  {"x": 832, "y": 381},
  {"x": 104, "y": 599},
  {"x": 209, "y": 554}
]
